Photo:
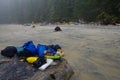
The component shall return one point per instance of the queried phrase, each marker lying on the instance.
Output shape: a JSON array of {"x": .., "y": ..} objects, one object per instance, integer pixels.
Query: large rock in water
[{"x": 13, "y": 69}]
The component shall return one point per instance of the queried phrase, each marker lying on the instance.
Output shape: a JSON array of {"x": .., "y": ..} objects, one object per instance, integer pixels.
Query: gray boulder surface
[{"x": 13, "y": 69}]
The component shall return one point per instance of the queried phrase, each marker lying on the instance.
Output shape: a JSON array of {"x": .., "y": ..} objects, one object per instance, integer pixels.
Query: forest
[{"x": 26, "y": 11}]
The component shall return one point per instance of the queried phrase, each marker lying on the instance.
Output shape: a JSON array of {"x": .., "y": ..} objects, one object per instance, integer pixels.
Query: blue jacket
[{"x": 30, "y": 47}]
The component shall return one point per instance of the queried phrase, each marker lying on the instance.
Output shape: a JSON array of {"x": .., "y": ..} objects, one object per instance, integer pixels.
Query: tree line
[{"x": 26, "y": 11}]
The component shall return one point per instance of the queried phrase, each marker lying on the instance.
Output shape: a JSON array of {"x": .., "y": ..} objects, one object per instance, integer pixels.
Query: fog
[{"x": 26, "y": 11}]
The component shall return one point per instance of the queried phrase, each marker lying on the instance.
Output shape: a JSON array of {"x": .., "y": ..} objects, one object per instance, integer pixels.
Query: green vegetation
[
  {"x": 26, "y": 11},
  {"x": 106, "y": 19}
]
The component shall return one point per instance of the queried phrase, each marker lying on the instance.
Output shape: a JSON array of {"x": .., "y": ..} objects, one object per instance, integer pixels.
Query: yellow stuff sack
[{"x": 31, "y": 59}]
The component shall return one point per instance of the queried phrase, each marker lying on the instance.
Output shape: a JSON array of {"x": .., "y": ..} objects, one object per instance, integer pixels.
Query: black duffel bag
[{"x": 9, "y": 51}]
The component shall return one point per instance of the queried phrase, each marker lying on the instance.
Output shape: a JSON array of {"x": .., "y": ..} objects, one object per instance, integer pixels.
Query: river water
[{"x": 93, "y": 51}]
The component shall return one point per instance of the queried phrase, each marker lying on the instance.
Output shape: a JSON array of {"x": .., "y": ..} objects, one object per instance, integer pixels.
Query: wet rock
[
  {"x": 62, "y": 71},
  {"x": 57, "y": 28},
  {"x": 4, "y": 61},
  {"x": 16, "y": 70}
]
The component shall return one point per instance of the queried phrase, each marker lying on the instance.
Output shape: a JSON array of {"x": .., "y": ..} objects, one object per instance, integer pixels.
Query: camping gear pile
[{"x": 40, "y": 57}]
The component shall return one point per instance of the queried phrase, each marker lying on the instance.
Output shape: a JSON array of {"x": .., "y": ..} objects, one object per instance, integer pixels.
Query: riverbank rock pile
[{"x": 14, "y": 69}]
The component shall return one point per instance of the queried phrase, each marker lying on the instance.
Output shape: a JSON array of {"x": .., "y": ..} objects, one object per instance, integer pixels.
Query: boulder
[
  {"x": 13, "y": 69},
  {"x": 57, "y": 28}
]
